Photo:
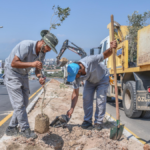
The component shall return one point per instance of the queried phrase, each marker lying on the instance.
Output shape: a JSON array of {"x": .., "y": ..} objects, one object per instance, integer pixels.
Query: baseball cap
[{"x": 72, "y": 69}]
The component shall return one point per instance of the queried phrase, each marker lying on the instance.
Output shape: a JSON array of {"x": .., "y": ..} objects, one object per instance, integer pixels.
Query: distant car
[{"x": 1, "y": 79}]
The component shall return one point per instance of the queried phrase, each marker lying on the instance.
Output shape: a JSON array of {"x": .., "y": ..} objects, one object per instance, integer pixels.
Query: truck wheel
[
  {"x": 129, "y": 100},
  {"x": 145, "y": 114}
]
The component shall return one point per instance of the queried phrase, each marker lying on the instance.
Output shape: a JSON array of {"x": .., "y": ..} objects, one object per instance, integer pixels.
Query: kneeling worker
[
  {"x": 96, "y": 76},
  {"x": 22, "y": 58}
]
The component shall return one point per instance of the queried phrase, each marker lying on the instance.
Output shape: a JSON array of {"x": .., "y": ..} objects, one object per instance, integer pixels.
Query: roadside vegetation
[
  {"x": 136, "y": 22},
  {"x": 58, "y": 74}
]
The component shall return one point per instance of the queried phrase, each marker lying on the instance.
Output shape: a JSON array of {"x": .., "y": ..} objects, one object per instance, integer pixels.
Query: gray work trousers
[
  {"x": 18, "y": 91},
  {"x": 88, "y": 96}
]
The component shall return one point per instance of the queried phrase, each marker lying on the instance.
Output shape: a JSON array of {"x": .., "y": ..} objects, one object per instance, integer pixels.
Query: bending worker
[
  {"x": 96, "y": 75},
  {"x": 22, "y": 58}
]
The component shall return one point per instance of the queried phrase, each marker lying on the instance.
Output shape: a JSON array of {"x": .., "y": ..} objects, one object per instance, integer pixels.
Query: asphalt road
[
  {"x": 140, "y": 126},
  {"x": 5, "y": 105}
]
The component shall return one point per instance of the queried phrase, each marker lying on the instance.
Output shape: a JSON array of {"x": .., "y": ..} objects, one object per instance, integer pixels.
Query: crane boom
[{"x": 76, "y": 49}]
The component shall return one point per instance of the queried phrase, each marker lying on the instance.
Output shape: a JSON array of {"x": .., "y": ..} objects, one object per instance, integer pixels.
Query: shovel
[{"x": 116, "y": 131}]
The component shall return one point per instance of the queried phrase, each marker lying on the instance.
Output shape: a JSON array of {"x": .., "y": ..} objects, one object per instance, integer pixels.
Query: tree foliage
[
  {"x": 58, "y": 16},
  {"x": 136, "y": 22},
  {"x": 59, "y": 74}
]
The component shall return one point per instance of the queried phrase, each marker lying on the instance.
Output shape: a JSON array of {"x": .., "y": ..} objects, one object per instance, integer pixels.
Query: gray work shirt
[
  {"x": 95, "y": 70},
  {"x": 26, "y": 51}
]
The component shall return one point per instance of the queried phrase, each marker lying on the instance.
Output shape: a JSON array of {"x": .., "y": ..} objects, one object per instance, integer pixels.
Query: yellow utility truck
[{"x": 133, "y": 78}]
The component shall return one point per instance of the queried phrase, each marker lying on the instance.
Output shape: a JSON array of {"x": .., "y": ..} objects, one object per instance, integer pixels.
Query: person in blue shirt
[{"x": 96, "y": 76}]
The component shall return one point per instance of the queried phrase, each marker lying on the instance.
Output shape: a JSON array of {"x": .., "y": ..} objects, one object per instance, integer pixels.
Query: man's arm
[
  {"x": 109, "y": 51},
  {"x": 74, "y": 100},
  {"x": 37, "y": 72},
  {"x": 17, "y": 63}
]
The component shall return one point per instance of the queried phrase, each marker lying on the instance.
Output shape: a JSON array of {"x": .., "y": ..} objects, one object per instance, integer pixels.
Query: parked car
[{"x": 1, "y": 79}]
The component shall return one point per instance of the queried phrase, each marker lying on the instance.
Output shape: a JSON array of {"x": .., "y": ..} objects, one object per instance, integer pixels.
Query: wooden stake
[{"x": 114, "y": 67}]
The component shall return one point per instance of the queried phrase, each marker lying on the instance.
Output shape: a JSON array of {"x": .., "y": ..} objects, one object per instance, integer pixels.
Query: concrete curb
[
  {"x": 32, "y": 104},
  {"x": 127, "y": 134},
  {"x": 34, "y": 101}
]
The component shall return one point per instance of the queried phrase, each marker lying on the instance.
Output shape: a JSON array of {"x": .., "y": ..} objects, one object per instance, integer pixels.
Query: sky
[{"x": 86, "y": 26}]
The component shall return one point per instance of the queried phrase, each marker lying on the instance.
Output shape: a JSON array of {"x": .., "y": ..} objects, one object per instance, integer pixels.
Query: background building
[{"x": 1, "y": 66}]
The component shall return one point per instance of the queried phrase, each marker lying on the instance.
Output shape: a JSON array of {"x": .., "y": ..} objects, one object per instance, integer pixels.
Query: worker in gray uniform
[
  {"x": 96, "y": 75},
  {"x": 25, "y": 55}
]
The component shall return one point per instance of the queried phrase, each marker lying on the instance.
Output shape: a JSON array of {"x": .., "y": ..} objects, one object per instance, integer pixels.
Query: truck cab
[
  {"x": 104, "y": 45},
  {"x": 133, "y": 81}
]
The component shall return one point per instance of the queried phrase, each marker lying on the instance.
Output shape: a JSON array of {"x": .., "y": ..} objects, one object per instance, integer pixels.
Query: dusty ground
[{"x": 73, "y": 137}]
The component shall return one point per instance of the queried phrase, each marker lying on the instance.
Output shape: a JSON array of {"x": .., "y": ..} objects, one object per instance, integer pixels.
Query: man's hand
[
  {"x": 37, "y": 64},
  {"x": 69, "y": 112},
  {"x": 113, "y": 44},
  {"x": 42, "y": 81}
]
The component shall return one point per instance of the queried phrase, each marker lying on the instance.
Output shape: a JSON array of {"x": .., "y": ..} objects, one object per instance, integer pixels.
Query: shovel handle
[{"x": 114, "y": 67}]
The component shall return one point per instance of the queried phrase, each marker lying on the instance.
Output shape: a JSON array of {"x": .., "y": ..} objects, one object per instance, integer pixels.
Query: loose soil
[{"x": 73, "y": 137}]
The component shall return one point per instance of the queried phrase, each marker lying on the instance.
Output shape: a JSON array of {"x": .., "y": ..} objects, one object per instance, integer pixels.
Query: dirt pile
[
  {"x": 72, "y": 137},
  {"x": 41, "y": 123},
  {"x": 62, "y": 62}
]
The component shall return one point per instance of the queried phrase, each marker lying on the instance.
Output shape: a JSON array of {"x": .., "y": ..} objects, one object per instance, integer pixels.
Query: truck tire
[
  {"x": 129, "y": 100},
  {"x": 145, "y": 114}
]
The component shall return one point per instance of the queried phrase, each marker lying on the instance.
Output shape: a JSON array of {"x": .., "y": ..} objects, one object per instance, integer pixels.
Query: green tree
[
  {"x": 136, "y": 22},
  {"x": 59, "y": 16}
]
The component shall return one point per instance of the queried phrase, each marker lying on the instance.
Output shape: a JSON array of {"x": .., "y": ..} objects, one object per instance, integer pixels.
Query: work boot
[
  {"x": 86, "y": 124},
  {"x": 12, "y": 131},
  {"x": 98, "y": 126},
  {"x": 27, "y": 133}
]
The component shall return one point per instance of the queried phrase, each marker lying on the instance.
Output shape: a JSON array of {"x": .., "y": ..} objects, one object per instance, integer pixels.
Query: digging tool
[{"x": 116, "y": 131}]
